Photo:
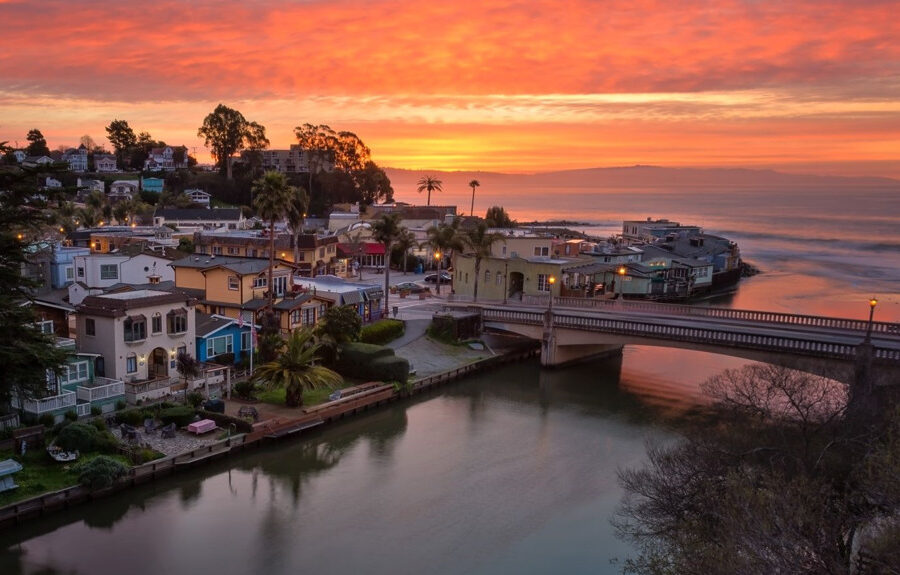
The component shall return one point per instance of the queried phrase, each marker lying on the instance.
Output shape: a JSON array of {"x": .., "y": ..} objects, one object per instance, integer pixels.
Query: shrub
[
  {"x": 180, "y": 416},
  {"x": 71, "y": 415},
  {"x": 389, "y": 369},
  {"x": 78, "y": 436},
  {"x": 382, "y": 331},
  {"x": 143, "y": 455},
  {"x": 99, "y": 424},
  {"x": 47, "y": 420},
  {"x": 224, "y": 421},
  {"x": 95, "y": 410},
  {"x": 244, "y": 389},
  {"x": 356, "y": 353},
  {"x": 195, "y": 398},
  {"x": 120, "y": 405},
  {"x": 100, "y": 472},
  {"x": 131, "y": 417},
  {"x": 374, "y": 362}
]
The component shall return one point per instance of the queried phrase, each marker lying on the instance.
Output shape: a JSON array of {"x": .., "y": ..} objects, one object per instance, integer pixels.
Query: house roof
[
  {"x": 199, "y": 214},
  {"x": 209, "y": 324},
  {"x": 118, "y": 304},
  {"x": 239, "y": 265},
  {"x": 294, "y": 302}
]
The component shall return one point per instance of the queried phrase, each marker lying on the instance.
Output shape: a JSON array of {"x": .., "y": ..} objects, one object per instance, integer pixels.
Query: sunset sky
[{"x": 501, "y": 85}]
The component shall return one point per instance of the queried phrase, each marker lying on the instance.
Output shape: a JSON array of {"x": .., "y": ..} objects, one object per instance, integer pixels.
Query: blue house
[
  {"x": 154, "y": 185},
  {"x": 218, "y": 336},
  {"x": 62, "y": 264}
]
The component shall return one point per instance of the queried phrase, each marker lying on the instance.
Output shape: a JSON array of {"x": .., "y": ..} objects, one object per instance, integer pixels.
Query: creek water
[{"x": 511, "y": 471}]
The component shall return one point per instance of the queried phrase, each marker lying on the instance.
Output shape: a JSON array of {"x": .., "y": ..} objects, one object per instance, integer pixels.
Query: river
[{"x": 512, "y": 471}]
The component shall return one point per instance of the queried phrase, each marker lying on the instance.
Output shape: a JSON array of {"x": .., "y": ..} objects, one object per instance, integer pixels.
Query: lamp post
[
  {"x": 872, "y": 303},
  {"x": 437, "y": 260},
  {"x": 505, "y": 282},
  {"x": 550, "y": 281},
  {"x": 621, "y": 271}
]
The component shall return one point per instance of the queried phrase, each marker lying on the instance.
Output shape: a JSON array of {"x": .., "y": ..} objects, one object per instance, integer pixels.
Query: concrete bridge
[{"x": 579, "y": 328}]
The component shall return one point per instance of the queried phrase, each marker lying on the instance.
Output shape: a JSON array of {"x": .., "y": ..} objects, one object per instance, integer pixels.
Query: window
[
  {"x": 217, "y": 250},
  {"x": 487, "y": 276},
  {"x": 218, "y": 345},
  {"x": 541, "y": 251},
  {"x": 80, "y": 271},
  {"x": 232, "y": 251},
  {"x": 176, "y": 321},
  {"x": 260, "y": 282},
  {"x": 90, "y": 328},
  {"x": 321, "y": 253},
  {"x": 322, "y": 308},
  {"x": 135, "y": 328},
  {"x": 503, "y": 250},
  {"x": 233, "y": 283},
  {"x": 156, "y": 323},
  {"x": 309, "y": 316},
  {"x": 131, "y": 363},
  {"x": 75, "y": 372},
  {"x": 182, "y": 349},
  {"x": 543, "y": 283},
  {"x": 245, "y": 340},
  {"x": 45, "y": 326},
  {"x": 70, "y": 273},
  {"x": 499, "y": 279},
  {"x": 280, "y": 284},
  {"x": 109, "y": 272},
  {"x": 295, "y": 317}
]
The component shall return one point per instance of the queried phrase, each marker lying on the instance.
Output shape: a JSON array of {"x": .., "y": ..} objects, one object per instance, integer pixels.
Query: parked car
[
  {"x": 412, "y": 287},
  {"x": 445, "y": 278}
]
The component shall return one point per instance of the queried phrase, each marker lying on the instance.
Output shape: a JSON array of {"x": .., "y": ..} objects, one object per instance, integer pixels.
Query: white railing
[
  {"x": 146, "y": 390},
  {"x": 64, "y": 400},
  {"x": 102, "y": 388}
]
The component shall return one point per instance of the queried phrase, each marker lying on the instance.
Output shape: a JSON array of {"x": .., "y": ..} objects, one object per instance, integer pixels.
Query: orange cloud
[{"x": 503, "y": 84}]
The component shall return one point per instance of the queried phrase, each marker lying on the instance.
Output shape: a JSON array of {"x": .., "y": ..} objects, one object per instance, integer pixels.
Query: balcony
[
  {"x": 149, "y": 389},
  {"x": 65, "y": 400},
  {"x": 101, "y": 388}
]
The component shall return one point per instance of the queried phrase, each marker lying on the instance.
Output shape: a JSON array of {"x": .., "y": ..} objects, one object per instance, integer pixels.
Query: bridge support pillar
[{"x": 555, "y": 355}]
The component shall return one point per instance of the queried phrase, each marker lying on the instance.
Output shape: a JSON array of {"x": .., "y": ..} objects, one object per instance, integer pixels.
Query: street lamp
[
  {"x": 872, "y": 303},
  {"x": 437, "y": 260},
  {"x": 550, "y": 281},
  {"x": 622, "y": 272}
]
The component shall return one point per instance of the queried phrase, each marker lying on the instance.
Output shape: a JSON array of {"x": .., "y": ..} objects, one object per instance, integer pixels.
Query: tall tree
[
  {"x": 296, "y": 215},
  {"x": 479, "y": 241},
  {"x": 386, "y": 229},
  {"x": 25, "y": 352},
  {"x": 373, "y": 184},
  {"x": 496, "y": 217},
  {"x": 37, "y": 145},
  {"x": 295, "y": 369},
  {"x": 227, "y": 132},
  {"x": 122, "y": 139},
  {"x": 473, "y": 184},
  {"x": 273, "y": 197},
  {"x": 429, "y": 184},
  {"x": 443, "y": 239}
]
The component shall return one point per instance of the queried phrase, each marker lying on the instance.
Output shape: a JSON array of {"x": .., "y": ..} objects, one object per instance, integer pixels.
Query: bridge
[{"x": 577, "y": 328}]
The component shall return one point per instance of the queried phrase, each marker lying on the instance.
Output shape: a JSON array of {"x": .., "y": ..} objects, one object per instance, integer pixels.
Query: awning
[{"x": 352, "y": 297}]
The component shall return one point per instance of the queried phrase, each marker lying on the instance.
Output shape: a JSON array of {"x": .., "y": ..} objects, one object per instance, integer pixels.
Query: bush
[
  {"x": 372, "y": 362},
  {"x": 78, "y": 436},
  {"x": 100, "y": 472},
  {"x": 99, "y": 424},
  {"x": 389, "y": 369},
  {"x": 131, "y": 417},
  {"x": 71, "y": 415},
  {"x": 244, "y": 389},
  {"x": 195, "y": 398},
  {"x": 180, "y": 416},
  {"x": 95, "y": 410},
  {"x": 382, "y": 331},
  {"x": 143, "y": 455},
  {"x": 120, "y": 405},
  {"x": 224, "y": 421},
  {"x": 356, "y": 353},
  {"x": 47, "y": 420}
]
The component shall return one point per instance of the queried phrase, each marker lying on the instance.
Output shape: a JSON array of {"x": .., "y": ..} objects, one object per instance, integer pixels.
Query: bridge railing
[
  {"x": 726, "y": 313},
  {"x": 695, "y": 334}
]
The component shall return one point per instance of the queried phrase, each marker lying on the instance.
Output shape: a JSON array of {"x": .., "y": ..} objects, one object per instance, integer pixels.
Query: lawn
[
  {"x": 310, "y": 397},
  {"x": 40, "y": 474}
]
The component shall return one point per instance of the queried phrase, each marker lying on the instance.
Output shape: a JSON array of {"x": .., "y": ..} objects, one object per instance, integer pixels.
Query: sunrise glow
[{"x": 517, "y": 86}]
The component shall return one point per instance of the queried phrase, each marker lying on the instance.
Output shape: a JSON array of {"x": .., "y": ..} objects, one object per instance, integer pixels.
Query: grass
[
  {"x": 310, "y": 397},
  {"x": 40, "y": 474}
]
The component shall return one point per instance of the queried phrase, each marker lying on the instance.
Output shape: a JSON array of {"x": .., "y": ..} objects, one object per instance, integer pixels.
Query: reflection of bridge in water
[{"x": 579, "y": 328}]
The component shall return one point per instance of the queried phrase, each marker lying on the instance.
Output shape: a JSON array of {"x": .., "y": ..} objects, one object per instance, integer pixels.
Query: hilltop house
[
  {"x": 123, "y": 190},
  {"x": 104, "y": 163},
  {"x": 77, "y": 159}
]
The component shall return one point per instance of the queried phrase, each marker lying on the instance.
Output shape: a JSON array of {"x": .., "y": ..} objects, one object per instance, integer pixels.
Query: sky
[{"x": 494, "y": 85}]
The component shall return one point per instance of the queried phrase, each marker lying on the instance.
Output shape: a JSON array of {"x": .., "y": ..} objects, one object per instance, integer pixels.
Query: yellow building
[
  {"x": 504, "y": 279},
  {"x": 315, "y": 255}
]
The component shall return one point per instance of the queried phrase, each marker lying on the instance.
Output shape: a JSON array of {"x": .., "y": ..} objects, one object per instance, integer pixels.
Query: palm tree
[
  {"x": 480, "y": 241},
  {"x": 405, "y": 241},
  {"x": 473, "y": 184},
  {"x": 444, "y": 238},
  {"x": 295, "y": 216},
  {"x": 430, "y": 184},
  {"x": 272, "y": 202},
  {"x": 295, "y": 369},
  {"x": 386, "y": 230}
]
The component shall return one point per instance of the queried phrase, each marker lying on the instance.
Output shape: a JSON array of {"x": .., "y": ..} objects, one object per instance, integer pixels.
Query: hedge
[
  {"x": 372, "y": 362},
  {"x": 382, "y": 331},
  {"x": 180, "y": 416},
  {"x": 85, "y": 438}
]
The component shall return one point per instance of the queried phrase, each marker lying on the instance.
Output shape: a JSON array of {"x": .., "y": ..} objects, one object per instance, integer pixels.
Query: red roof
[{"x": 368, "y": 248}]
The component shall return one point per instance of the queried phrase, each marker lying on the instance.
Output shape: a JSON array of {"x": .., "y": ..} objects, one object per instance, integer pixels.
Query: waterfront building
[
  {"x": 139, "y": 335},
  {"x": 222, "y": 340},
  {"x": 79, "y": 387},
  {"x": 315, "y": 255},
  {"x": 650, "y": 230},
  {"x": 507, "y": 278},
  {"x": 365, "y": 298},
  {"x": 95, "y": 273}
]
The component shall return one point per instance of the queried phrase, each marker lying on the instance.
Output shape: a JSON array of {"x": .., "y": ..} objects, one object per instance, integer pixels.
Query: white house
[
  {"x": 96, "y": 272},
  {"x": 139, "y": 334},
  {"x": 198, "y": 197},
  {"x": 163, "y": 160},
  {"x": 77, "y": 158},
  {"x": 200, "y": 218},
  {"x": 123, "y": 189},
  {"x": 104, "y": 163}
]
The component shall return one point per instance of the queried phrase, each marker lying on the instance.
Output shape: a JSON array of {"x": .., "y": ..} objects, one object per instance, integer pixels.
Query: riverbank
[{"x": 446, "y": 363}]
